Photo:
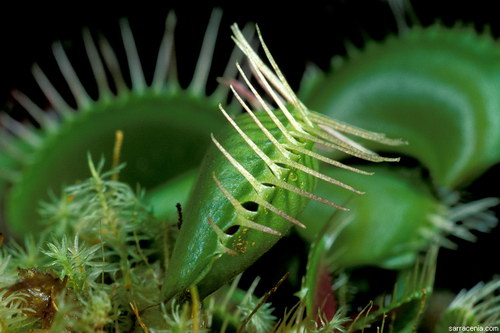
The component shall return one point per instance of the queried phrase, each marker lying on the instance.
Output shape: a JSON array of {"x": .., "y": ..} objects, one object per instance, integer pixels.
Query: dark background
[
  {"x": 298, "y": 34},
  {"x": 309, "y": 32}
]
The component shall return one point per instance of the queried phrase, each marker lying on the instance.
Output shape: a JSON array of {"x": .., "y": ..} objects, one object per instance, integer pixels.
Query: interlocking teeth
[
  {"x": 303, "y": 126},
  {"x": 237, "y": 205},
  {"x": 461, "y": 220}
]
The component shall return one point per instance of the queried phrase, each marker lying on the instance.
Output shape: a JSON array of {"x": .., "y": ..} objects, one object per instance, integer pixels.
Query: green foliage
[
  {"x": 111, "y": 265},
  {"x": 233, "y": 306},
  {"x": 102, "y": 242},
  {"x": 80, "y": 264},
  {"x": 260, "y": 322},
  {"x": 13, "y": 307},
  {"x": 166, "y": 127},
  {"x": 93, "y": 313},
  {"x": 13, "y": 317},
  {"x": 27, "y": 255},
  {"x": 177, "y": 319},
  {"x": 297, "y": 321},
  {"x": 103, "y": 260}
]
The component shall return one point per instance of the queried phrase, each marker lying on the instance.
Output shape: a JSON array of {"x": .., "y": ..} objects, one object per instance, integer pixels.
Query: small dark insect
[
  {"x": 40, "y": 288},
  {"x": 179, "y": 212},
  {"x": 1, "y": 239}
]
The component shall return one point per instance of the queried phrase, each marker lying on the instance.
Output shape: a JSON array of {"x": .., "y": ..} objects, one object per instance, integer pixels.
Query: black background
[
  {"x": 298, "y": 34},
  {"x": 308, "y": 32}
]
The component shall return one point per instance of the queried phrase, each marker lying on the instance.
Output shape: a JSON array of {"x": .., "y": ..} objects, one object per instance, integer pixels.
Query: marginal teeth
[
  {"x": 58, "y": 103},
  {"x": 473, "y": 216},
  {"x": 282, "y": 85},
  {"x": 274, "y": 168},
  {"x": 231, "y": 71},
  {"x": 348, "y": 150},
  {"x": 165, "y": 54},
  {"x": 134, "y": 63},
  {"x": 319, "y": 175},
  {"x": 82, "y": 98},
  {"x": 112, "y": 83},
  {"x": 21, "y": 131},
  {"x": 11, "y": 150},
  {"x": 43, "y": 118},
  {"x": 480, "y": 302},
  {"x": 253, "y": 225},
  {"x": 237, "y": 205},
  {"x": 113, "y": 65},
  {"x": 327, "y": 160},
  {"x": 260, "y": 188},
  {"x": 349, "y": 129},
  {"x": 308, "y": 195},
  {"x": 271, "y": 138},
  {"x": 222, "y": 237},
  {"x": 307, "y": 126},
  {"x": 202, "y": 70},
  {"x": 313, "y": 125},
  {"x": 96, "y": 65},
  {"x": 267, "y": 108}
]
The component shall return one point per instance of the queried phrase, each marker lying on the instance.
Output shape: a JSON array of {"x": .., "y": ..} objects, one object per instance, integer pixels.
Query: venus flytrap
[
  {"x": 389, "y": 229},
  {"x": 325, "y": 303},
  {"x": 254, "y": 181},
  {"x": 165, "y": 125},
  {"x": 399, "y": 311},
  {"x": 113, "y": 257},
  {"x": 317, "y": 288},
  {"x": 436, "y": 86}
]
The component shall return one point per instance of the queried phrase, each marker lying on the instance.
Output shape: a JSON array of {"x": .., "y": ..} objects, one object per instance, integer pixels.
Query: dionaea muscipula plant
[
  {"x": 255, "y": 179},
  {"x": 109, "y": 257},
  {"x": 165, "y": 127},
  {"x": 390, "y": 229},
  {"x": 437, "y": 85}
]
